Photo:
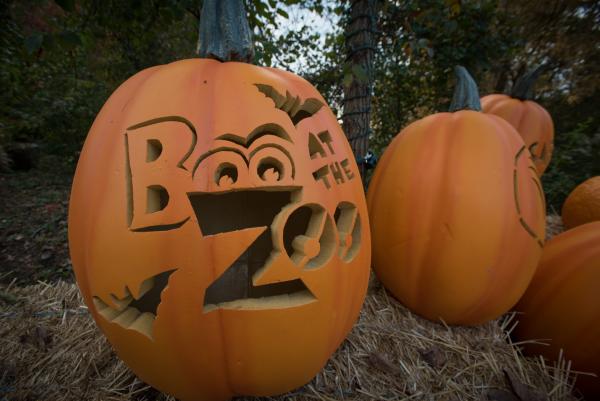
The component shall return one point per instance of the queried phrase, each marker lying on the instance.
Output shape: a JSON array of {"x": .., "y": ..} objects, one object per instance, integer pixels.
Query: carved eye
[
  {"x": 270, "y": 170},
  {"x": 226, "y": 175},
  {"x": 271, "y": 165},
  {"x": 223, "y": 169}
]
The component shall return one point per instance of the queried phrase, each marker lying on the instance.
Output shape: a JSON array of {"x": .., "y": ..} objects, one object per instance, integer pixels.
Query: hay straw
[
  {"x": 50, "y": 349},
  {"x": 554, "y": 226}
]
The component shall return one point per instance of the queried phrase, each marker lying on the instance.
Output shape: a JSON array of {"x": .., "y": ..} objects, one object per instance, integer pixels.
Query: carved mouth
[
  {"x": 232, "y": 211},
  {"x": 219, "y": 213},
  {"x": 136, "y": 313}
]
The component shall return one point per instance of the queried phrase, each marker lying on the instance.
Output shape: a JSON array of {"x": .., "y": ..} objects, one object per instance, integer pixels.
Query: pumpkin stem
[
  {"x": 224, "y": 31},
  {"x": 466, "y": 95},
  {"x": 523, "y": 88}
]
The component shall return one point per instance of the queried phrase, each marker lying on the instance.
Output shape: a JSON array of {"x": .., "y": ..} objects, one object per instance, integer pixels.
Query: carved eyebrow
[
  {"x": 217, "y": 150},
  {"x": 265, "y": 129},
  {"x": 291, "y": 104}
]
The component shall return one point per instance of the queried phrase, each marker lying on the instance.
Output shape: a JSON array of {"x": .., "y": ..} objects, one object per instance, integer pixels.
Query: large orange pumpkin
[
  {"x": 457, "y": 215},
  {"x": 583, "y": 204},
  {"x": 218, "y": 229},
  {"x": 562, "y": 304},
  {"x": 531, "y": 120}
]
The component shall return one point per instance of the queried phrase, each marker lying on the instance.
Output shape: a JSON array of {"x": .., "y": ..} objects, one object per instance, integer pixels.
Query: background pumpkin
[
  {"x": 562, "y": 305},
  {"x": 218, "y": 228},
  {"x": 583, "y": 204},
  {"x": 457, "y": 214},
  {"x": 531, "y": 120}
]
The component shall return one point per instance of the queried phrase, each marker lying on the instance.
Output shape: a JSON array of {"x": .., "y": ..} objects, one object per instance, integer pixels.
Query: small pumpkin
[
  {"x": 561, "y": 306},
  {"x": 531, "y": 120},
  {"x": 583, "y": 204},
  {"x": 218, "y": 228},
  {"x": 457, "y": 214}
]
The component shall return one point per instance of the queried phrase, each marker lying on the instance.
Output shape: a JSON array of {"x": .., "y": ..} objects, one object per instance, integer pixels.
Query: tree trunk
[{"x": 360, "y": 49}]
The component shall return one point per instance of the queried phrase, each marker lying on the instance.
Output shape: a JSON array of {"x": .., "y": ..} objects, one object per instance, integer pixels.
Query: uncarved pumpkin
[
  {"x": 583, "y": 204},
  {"x": 218, "y": 229},
  {"x": 561, "y": 307},
  {"x": 457, "y": 216},
  {"x": 531, "y": 120}
]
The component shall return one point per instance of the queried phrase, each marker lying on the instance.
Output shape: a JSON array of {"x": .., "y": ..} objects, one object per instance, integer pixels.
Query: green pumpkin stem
[
  {"x": 224, "y": 31},
  {"x": 466, "y": 95},
  {"x": 523, "y": 88}
]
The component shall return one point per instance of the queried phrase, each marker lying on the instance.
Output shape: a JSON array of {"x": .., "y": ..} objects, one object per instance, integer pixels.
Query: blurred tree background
[{"x": 60, "y": 60}]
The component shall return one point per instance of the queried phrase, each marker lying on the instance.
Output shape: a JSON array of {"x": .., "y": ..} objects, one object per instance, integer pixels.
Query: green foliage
[
  {"x": 60, "y": 60},
  {"x": 269, "y": 18},
  {"x": 306, "y": 48},
  {"x": 59, "y": 63},
  {"x": 421, "y": 42},
  {"x": 575, "y": 159}
]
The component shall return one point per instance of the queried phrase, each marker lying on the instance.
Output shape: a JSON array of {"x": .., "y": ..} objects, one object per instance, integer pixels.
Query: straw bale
[{"x": 51, "y": 349}]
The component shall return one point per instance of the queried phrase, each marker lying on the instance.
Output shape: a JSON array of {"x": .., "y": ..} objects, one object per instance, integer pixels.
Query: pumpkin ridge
[
  {"x": 449, "y": 141},
  {"x": 495, "y": 284},
  {"x": 434, "y": 132}
]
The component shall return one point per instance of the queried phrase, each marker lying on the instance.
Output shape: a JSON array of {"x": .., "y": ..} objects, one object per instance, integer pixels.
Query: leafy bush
[{"x": 575, "y": 159}]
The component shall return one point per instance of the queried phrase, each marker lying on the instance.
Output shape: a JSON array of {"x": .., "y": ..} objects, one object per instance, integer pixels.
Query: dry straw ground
[{"x": 50, "y": 349}]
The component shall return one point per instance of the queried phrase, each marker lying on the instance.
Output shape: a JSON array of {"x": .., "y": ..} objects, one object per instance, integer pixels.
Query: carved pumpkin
[
  {"x": 561, "y": 307},
  {"x": 583, "y": 204},
  {"x": 531, "y": 120},
  {"x": 457, "y": 214},
  {"x": 218, "y": 229}
]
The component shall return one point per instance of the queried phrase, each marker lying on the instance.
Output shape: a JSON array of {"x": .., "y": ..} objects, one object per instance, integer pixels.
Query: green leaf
[
  {"x": 34, "y": 42},
  {"x": 69, "y": 39},
  {"x": 261, "y": 8},
  {"x": 283, "y": 13},
  {"x": 67, "y": 5},
  {"x": 49, "y": 42},
  {"x": 267, "y": 58},
  {"x": 455, "y": 8}
]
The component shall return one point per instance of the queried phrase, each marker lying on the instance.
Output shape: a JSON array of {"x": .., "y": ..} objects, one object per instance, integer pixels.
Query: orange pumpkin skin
[
  {"x": 531, "y": 120},
  {"x": 457, "y": 217},
  {"x": 210, "y": 135},
  {"x": 583, "y": 204},
  {"x": 562, "y": 305}
]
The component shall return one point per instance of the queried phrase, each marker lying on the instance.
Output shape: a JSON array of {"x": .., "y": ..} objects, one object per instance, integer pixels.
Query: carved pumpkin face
[
  {"x": 531, "y": 121},
  {"x": 218, "y": 229}
]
